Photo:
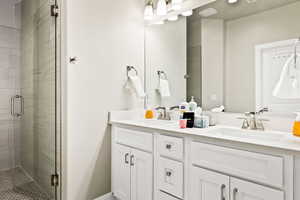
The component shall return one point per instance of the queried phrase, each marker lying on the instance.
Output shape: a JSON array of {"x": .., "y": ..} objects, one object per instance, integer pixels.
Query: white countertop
[{"x": 268, "y": 138}]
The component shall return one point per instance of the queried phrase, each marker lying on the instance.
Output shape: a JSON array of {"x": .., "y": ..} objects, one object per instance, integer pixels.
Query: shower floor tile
[{"x": 15, "y": 185}]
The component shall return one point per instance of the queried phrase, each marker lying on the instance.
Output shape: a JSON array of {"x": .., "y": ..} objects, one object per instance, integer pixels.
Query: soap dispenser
[
  {"x": 193, "y": 105},
  {"x": 296, "y": 129}
]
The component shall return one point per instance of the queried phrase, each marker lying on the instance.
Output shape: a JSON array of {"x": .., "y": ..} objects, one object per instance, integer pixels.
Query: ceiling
[{"x": 243, "y": 8}]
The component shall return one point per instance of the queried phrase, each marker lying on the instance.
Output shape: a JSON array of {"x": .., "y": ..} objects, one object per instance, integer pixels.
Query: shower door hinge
[
  {"x": 54, "y": 180},
  {"x": 54, "y": 10}
]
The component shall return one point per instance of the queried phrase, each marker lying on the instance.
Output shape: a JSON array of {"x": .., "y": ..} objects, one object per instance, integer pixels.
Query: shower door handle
[{"x": 13, "y": 104}]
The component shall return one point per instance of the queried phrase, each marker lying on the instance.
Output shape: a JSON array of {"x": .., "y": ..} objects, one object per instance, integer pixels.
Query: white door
[
  {"x": 141, "y": 175},
  {"x": 208, "y": 185},
  {"x": 243, "y": 190},
  {"x": 121, "y": 172}
]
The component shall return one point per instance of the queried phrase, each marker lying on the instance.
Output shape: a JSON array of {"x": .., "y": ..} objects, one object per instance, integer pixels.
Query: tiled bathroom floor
[{"x": 15, "y": 185}]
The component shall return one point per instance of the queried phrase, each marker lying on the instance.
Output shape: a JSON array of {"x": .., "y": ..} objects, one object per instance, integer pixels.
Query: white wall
[
  {"x": 105, "y": 36},
  {"x": 241, "y": 37},
  {"x": 212, "y": 39},
  {"x": 166, "y": 50}
]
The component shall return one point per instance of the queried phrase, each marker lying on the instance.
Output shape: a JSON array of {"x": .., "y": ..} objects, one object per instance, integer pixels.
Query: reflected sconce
[
  {"x": 149, "y": 13},
  {"x": 162, "y": 8},
  {"x": 176, "y": 4}
]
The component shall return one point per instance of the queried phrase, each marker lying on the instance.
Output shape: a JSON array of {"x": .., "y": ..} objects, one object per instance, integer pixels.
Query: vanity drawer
[
  {"x": 171, "y": 177},
  {"x": 171, "y": 147},
  {"x": 164, "y": 196},
  {"x": 244, "y": 164},
  {"x": 133, "y": 138}
]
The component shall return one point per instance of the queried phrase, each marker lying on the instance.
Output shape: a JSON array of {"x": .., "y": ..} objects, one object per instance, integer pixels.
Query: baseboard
[{"x": 106, "y": 197}]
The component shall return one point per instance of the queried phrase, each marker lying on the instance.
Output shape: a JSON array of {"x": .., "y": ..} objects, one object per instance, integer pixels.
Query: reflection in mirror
[{"x": 244, "y": 56}]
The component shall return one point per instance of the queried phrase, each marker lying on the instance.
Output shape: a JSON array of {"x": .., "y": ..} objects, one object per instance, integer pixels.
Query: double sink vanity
[
  {"x": 156, "y": 160},
  {"x": 232, "y": 55}
]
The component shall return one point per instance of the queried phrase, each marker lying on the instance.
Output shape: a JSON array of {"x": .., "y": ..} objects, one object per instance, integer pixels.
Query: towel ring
[
  {"x": 162, "y": 75},
  {"x": 131, "y": 68}
]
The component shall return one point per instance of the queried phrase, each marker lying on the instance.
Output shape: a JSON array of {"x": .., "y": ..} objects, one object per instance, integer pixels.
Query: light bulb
[
  {"x": 232, "y": 1},
  {"x": 148, "y": 13},
  {"x": 176, "y": 4},
  {"x": 187, "y": 13},
  {"x": 161, "y": 8},
  {"x": 173, "y": 18}
]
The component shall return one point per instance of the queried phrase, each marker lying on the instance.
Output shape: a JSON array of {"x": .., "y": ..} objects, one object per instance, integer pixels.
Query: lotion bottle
[{"x": 192, "y": 105}]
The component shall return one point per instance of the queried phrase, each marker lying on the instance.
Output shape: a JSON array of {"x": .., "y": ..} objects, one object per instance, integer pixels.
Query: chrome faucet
[
  {"x": 162, "y": 113},
  {"x": 252, "y": 120}
]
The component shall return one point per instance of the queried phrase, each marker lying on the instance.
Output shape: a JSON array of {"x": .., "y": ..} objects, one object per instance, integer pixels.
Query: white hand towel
[
  {"x": 218, "y": 109},
  {"x": 164, "y": 88},
  {"x": 287, "y": 86},
  {"x": 136, "y": 84}
]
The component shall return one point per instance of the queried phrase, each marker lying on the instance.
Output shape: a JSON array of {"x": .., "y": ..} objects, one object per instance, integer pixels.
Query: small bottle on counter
[
  {"x": 201, "y": 121},
  {"x": 296, "y": 129},
  {"x": 193, "y": 105}
]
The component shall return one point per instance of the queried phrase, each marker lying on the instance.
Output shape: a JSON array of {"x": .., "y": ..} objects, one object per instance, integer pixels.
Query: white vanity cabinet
[
  {"x": 149, "y": 164},
  {"x": 207, "y": 185},
  {"x": 244, "y": 190},
  {"x": 132, "y": 166}
]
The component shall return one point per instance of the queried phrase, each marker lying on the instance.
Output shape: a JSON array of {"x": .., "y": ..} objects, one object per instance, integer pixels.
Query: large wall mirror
[{"x": 243, "y": 55}]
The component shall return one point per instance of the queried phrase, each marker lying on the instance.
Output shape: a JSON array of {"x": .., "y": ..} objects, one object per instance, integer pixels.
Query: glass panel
[{"x": 29, "y": 102}]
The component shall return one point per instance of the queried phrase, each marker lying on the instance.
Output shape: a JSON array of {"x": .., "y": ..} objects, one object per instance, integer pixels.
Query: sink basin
[{"x": 249, "y": 134}]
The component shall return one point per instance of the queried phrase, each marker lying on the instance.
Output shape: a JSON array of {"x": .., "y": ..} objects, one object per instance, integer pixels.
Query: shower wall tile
[{"x": 9, "y": 86}]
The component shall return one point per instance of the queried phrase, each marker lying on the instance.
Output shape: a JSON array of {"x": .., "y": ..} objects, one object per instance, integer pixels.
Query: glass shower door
[{"x": 40, "y": 122}]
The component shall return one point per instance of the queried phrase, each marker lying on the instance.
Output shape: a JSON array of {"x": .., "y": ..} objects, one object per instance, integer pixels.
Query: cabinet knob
[
  {"x": 168, "y": 173},
  {"x": 169, "y": 146}
]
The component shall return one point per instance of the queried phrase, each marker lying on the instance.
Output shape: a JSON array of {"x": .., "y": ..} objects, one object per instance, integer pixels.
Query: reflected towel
[
  {"x": 288, "y": 86},
  {"x": 164, "y": 88},
  {"x": 136, "y": 84}
]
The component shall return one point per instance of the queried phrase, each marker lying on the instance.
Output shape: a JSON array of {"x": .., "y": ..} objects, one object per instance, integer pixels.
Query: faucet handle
[{"x": 263, "y": 110}]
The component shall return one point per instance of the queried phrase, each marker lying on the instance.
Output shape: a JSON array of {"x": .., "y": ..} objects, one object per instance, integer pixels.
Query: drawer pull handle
[
  {"x": 235, "y": 191},
  {"x": 126, "y": 158},
  {"x": 132, "y": 160},
  {"x": 168, "y": 174},
  {"x": 168, "y": 146},
  {"x": 222, "y": 192}
]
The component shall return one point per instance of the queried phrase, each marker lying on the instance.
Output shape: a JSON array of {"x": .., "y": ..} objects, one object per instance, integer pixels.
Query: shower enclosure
[{"x": 30, "y": 101}]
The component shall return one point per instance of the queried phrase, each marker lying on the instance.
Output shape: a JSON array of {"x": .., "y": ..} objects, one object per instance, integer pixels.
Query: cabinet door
[
  {"x": 121, "y": 172},
  {"x": 243, "y": 190},
  {"x": 141, "y": 175},
  {"x": 208, "y": 185}
]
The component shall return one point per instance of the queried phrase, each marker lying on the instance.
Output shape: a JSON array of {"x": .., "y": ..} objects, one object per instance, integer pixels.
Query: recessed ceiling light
[
  {"x": 208, "y": 12},
  {"x": 232, "y": 1}
]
